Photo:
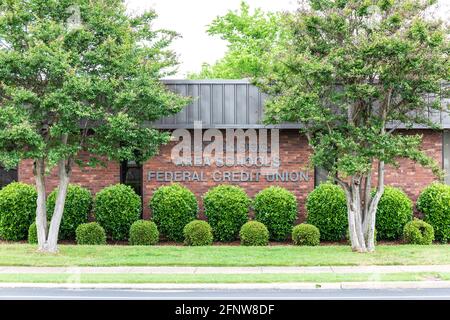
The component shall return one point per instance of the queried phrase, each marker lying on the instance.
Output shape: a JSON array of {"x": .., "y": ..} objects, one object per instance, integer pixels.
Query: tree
[
  {"x": 352, "y": 73},
  {"x": 250, "y": 37},
  {"x": 79, "y": 76}
]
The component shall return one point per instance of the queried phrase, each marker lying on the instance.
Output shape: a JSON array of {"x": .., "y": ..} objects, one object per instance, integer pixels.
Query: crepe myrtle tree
[
  {"x": 79, "y": 76},
  {"x": 352, "y": 73}
]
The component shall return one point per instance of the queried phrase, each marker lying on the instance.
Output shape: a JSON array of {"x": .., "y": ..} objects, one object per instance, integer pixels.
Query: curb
[{"x": 238, "y": 286}]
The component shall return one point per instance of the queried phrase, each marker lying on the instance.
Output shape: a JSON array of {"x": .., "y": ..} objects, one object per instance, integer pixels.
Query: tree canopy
[
  {"x": 352, "y": 72},
  {"x": 353, "y": 67},
  {"x": 58, "y": 80},
  {"x": 80, "y": 75},
  {"x": 251, "y": 37}
]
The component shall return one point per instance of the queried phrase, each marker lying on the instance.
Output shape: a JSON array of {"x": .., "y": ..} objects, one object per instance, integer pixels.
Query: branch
[{"x": 342, "y": 183}]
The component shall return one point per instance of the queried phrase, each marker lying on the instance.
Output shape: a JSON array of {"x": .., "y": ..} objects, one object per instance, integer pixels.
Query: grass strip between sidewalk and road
[
  {"x": 120, "y": 255},
  {"x": 219, "y": 278}
]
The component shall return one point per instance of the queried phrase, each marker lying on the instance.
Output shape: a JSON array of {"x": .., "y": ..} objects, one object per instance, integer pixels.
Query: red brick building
[{"x": 219, "y": 106}]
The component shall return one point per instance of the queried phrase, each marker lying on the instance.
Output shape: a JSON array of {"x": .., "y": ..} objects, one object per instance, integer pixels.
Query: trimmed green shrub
[
  {"x": 32, "y": 234},
  {"x": 173, "y": 207},
  {"x": 276, "y": 208},
  {"x": 306, "y": 235},
  {"x": 326, "y": 208},
  {"x": 434, "y": 203},
  {"x": 116, "y": 208},
  {"x": 227, "y": 209},
  {"x": 90, "y": 234},
  {"x": 17, "y": 210},
  {"x": 77, "y": 207},
  {"x": 198, "y": 233},
  {"x": 418, "y": 232},
  {"x": 394, "y": 210},
  {"x": 143, "y": 233},
  {"x": 254, "y": 233}
]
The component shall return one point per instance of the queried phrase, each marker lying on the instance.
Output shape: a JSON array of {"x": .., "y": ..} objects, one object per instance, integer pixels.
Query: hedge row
[
  {"x": 116, "y": 208},
  {"x": 227, "y": 210},
  {"x": 196, "y": 233}
]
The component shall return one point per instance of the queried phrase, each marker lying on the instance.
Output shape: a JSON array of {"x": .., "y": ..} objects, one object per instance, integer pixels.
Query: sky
[{"x": 190, "y": 19}]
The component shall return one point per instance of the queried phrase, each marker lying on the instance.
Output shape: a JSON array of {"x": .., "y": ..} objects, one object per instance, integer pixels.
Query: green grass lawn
[
  {"x": 115, "y": 255},
  {"x": 219, "y": 278}
]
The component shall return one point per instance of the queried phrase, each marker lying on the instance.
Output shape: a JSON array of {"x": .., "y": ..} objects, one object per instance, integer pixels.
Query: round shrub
[
  {"x": 90, "y": 234},
  {"x": 306, "y": 235},
  {"x": 276, "y": 208},
  {"x": 144, "y": 233},
  {"x": 434, "y": 203},
  {"x": 116, "y": 208},
  {"x": 418, "y": 232},
  {"x": 76, "y": 209},
  {"x": 394, "y": 210},
  {"x": 198, "y": 233},
  {"x": 17, "y": 210},
  {"x": 32, "y": 234},
  {"x": 254, "y": 233},
  {"x": 227, "y": 209},
  {"x": 326, "y": 208},
  {"x": 173, "y": 207}
]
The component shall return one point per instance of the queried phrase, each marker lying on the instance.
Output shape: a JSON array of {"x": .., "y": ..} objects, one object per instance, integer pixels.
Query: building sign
[
  {"x": 227, "y": 176},
  {"x": 256, "y": 156}
]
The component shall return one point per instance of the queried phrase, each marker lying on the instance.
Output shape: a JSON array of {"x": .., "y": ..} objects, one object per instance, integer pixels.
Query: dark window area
[
  {"x": 131, "y": 175},
  {"x": 7, "y": 176},
  {"x": 320, "y": 175}
]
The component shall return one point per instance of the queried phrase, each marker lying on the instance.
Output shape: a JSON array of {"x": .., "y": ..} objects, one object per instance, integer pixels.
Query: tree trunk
[
  {"x": 357, "y": 208},
  {"x": 41, "y": 209},
  {"x": 369, "y": 222},
  {"x": 354, "y": 214},
  {"x": 361, "y": 212},
  {"x": 63, "y": 173},
  {"x": 47, "y": 241}
]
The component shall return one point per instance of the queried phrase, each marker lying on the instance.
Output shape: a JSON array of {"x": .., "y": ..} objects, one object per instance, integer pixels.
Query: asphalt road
[{"x": 200, "y": 294}]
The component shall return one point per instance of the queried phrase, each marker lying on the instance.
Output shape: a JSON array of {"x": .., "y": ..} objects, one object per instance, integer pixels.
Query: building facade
[{"x": 227, "y": 114}]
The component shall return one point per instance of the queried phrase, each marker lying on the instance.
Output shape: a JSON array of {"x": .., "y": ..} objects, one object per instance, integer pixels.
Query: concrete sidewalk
[
  {"x": 240, "y": 286},
  {"x": 228, "y": 270}
]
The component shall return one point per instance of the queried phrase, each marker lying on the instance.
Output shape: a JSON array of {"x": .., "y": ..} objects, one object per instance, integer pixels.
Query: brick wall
[
  {"x": 410, "y": 176},
  {"x": 294, "y": 153},
  {"x": 92, "y": 178}
]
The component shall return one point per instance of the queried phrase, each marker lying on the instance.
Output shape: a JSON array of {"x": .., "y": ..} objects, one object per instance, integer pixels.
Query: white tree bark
[
  {"x": 47, "y": 241},
  {"x": 369, "y": 221},
  {"x": 52, "y": 239},
  {"x": 361, "y": 211},
  {"x": 41, "y": 209}
]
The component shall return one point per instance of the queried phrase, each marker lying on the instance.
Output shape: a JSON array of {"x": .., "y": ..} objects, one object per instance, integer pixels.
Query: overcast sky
[{"x": 190, "y": 19}]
